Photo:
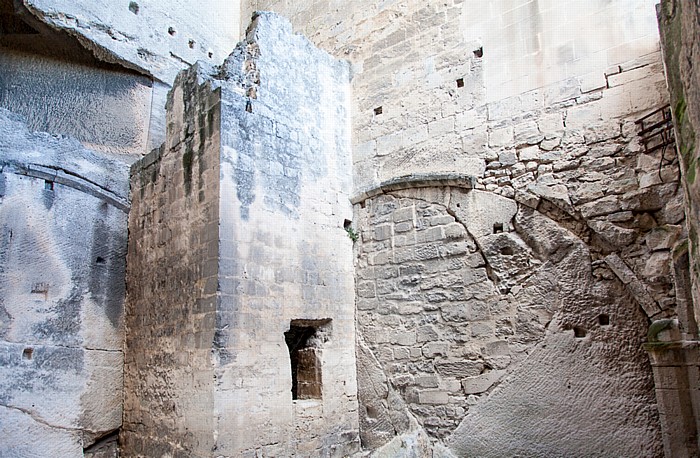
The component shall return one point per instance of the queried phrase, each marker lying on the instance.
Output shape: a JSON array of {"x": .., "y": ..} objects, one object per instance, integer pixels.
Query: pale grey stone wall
[
  {"x": 286, "y": 180},
  {"x": 237, "y": 228},
  {"x": 153, "y": 36},
  {"x": 62, "y": 250},
  {"x": 538, "y": 102}
]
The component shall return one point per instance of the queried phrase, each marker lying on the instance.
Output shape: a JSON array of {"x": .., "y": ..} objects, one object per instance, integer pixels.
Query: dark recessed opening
[
  {"x": 378, "y": 111},
  {"x": 460, "y": 82},
  {"x": 305, "y": 339},
  {"x": 347, "y": 223},
  {"x": 497, "y": 228},
  {"x": 507, "y": 251},
  {"x": 27, "y": 353},
  {"x": 171, "y": 31},
  {"x": 603, "y": 319},
  {"x": 479, "y": 52},
  {"x": 579, "y": 333},
  {"x": 249, "y": 107},
  {"x": 134, "y": 7},
  {"x": 210, "y": 54},
  {"x": 459, "y": 205},
  {"x": 372, "y": 412},
  {"x": 48, "y": 185},
  {"x": 100, "y": 260}
]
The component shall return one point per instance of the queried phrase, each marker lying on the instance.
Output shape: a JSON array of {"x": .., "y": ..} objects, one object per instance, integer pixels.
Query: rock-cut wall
[
  {"x": 240, "y": 314},
  {"x": 63, "y": 212}
]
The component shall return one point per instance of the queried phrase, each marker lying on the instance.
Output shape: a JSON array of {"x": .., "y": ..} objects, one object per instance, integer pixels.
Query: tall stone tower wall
[{"x": 240, "y": 310}]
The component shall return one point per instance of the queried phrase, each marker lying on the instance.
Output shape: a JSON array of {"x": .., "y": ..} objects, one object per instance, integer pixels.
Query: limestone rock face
[
  {"x": 62, "y": 250},
  {"x": 470, "y": 328},
  {"x": 155, "y": 37}
]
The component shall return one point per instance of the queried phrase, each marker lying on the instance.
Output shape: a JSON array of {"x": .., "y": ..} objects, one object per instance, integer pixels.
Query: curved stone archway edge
[
  {"x": 464, "y": 181},
  {"x": 388, "y": 298},
  {"x": 416, "y": 180}
]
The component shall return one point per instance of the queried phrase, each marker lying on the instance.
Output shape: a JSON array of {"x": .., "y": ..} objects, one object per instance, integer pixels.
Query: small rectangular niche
[{"x": 305, "y": 339}]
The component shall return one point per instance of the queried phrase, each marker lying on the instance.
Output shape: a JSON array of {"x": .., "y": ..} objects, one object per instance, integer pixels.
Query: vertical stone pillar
[{"x": 676, "y": 367}]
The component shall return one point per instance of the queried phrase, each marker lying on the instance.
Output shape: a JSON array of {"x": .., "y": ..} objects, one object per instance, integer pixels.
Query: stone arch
[{"x": 470, "y": 304}]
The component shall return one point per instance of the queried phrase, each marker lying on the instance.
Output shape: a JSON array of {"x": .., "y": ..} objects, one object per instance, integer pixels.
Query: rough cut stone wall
[
  {"x": 63, "y": 217},
  {"x": 172, "y": 282},
  {"x": 285, "y": 195},
  {"x": 681, "y": 37},
  {"x": 498, "y": 331},
  {"x": 512, "y": 57},
  {"x": 538, "y": 291},
  {"x": 547, "y": 295},
  {"x": 237, "y": 229}
]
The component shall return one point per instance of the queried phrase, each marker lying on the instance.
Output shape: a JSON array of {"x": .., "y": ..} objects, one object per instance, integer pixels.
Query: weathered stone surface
[
  {"x": 436, "y": 286},
  {"x": 107, "y": 109},
  {"x": 160, "y": 38},
  {"x": 679, "y": 37},
  {"x": 252, "y": 192},
  {"x": 481, "y": 383},
  {"x": 482, "y": 212},
  {"x": 62, "y": 247},
  {"x": 476, "y": 326}
]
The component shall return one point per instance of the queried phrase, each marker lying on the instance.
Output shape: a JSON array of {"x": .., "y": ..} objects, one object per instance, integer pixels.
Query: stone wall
[
  {"x": 107, "y": 109},
  {"x": 534, "y": 282},
  {"x": 680, "y": 40},
  {"x": 673, "y": 345},
  {"x": 156, "y": 37},
  {"x": 62, "y": 250},
  {"x": 498, "y": 330},
  {"x": 172, "y": 282},
  {"x": 237, "y": 240},
  {"x": 285, "y": 255},
  {"x": 575, "y": 206},
  {"x": 445, "y": 74}
]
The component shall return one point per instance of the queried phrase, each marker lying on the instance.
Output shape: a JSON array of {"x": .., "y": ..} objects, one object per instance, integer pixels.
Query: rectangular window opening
[{"x": 305, "y": 339}]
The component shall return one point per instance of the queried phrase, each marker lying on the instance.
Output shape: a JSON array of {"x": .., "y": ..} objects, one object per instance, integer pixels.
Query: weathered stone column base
[{"x": 676, "y": 367}]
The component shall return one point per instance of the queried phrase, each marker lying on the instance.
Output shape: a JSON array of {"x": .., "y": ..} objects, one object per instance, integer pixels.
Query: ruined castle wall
[
  {"x": 246, "y": 205},
  {"x": 63, "y": 212},
  {"x": 512, "y": 57},
  {"x": 538, "y": 289},
  {"x": 285, "y": 255},
  {"x": 172, "y": 282}
]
